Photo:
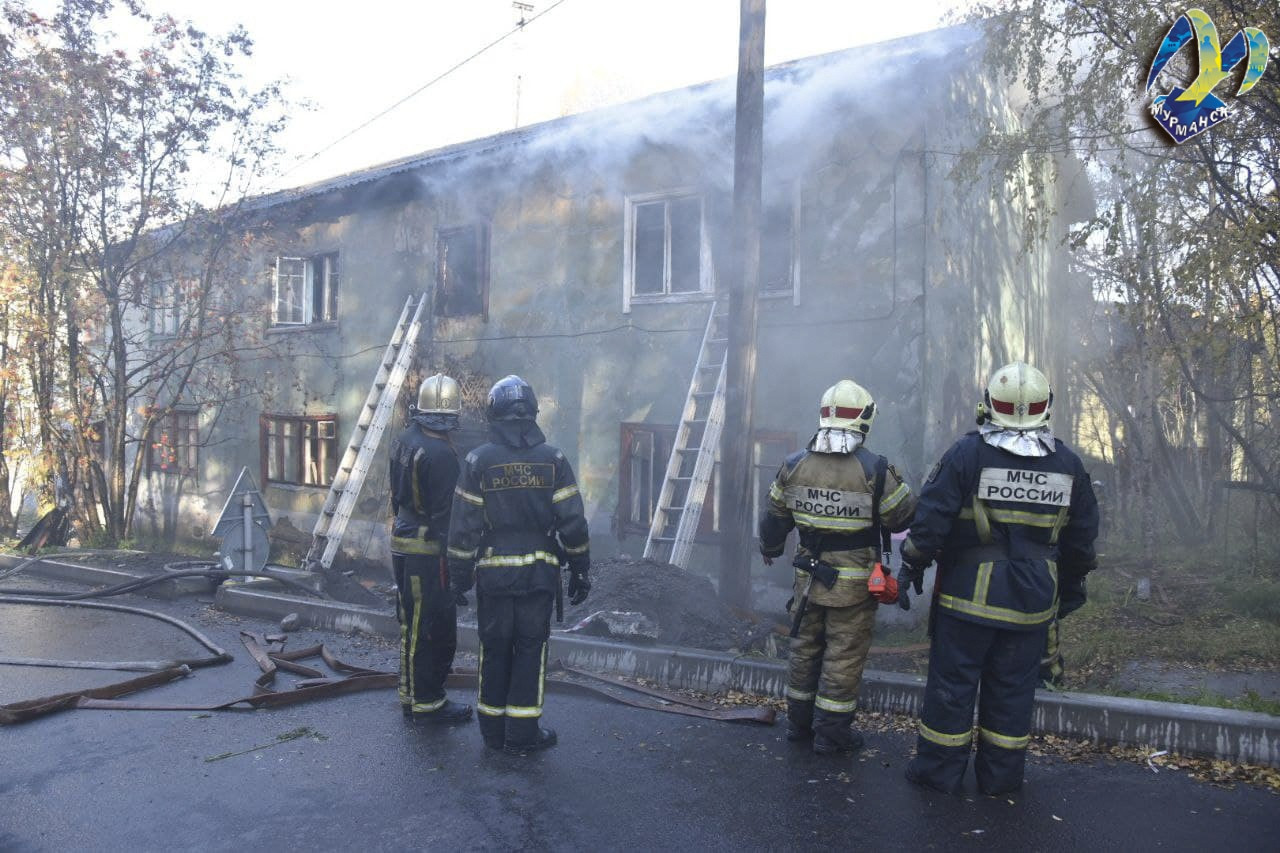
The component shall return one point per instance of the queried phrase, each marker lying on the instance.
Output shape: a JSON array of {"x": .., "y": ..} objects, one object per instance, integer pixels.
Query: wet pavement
[{"x": 355, "y": 775}]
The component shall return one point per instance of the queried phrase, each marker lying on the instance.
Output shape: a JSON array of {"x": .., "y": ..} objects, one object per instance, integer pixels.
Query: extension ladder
[
  {"x": 363, "y": 444},
  {"x": 693, "y": 454}
]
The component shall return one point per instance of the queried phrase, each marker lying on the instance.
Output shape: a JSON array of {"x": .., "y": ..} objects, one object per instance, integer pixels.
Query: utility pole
[{"x": 744, "y": 279}]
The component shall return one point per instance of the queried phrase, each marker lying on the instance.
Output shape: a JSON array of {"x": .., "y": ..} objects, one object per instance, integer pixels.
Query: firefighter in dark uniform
[
  {"x": 842, "y": 497},
  {"x": 1010, "y": 516},
  {"x": 424, "y": 473},
  {"x": 517, "y": 515}
]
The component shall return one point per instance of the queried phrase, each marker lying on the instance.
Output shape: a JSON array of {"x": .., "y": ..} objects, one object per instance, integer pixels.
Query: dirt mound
[{"x": 683, "y": 604}]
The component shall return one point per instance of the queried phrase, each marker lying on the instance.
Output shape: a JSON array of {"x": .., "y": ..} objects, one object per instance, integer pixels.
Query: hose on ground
[{"x": 212, "y": 571}]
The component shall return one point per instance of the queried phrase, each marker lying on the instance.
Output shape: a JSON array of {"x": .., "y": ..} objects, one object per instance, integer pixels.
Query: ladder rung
[
  {"x": 682, "y": 478},
  {"x": 686, "y": 449},
  {"x": 711, "y": 366},
  {"x": 717, "y": 340},
  {"x": 694, "y": 421},
  {"x": 671, "y": 508},
  {"x": 664, "y": 539},
  {"x": 704, "y": 393}
]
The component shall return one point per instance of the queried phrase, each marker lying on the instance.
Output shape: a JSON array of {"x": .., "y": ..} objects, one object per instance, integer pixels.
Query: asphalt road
[{"x": 621, "y": 778}]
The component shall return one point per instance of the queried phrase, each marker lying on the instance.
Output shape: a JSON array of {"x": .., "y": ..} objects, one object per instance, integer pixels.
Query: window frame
[
  {"x": 165, "y": 307},
  {"x": 326, "y": 448},
  {"x": 793, "y": 200},
  {"x": 706, "y": 271},
  {"x": 179, "y": 422},
  {"x": 322, "y": 268},
  {"x": 480, "y": 230}
]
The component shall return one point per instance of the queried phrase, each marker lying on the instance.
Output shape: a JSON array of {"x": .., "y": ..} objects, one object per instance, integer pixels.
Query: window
[
  {"x": 768, "y": 452},
  {"x": 462, "y": 271},
  {"x": 175, "y": 439},
  {"x": 164, "y": 308},
  {"x": 302, "y": 450},
  {"x": 778, "y": 258},
  {"x": 305, "y": 290},
  {"x": 646, "y": 448},
  {"x": 666, "y": 253}
]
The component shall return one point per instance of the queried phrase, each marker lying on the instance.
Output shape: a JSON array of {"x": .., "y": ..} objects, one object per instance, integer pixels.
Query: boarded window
[
  {"x": 462, "y": 271},
  {"x": 301, "y": 450},
  {"x": 305, "y": 290}
]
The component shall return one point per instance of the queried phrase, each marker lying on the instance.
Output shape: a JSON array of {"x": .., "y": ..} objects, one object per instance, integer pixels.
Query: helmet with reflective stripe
[
  {"x": 511, "y": 398},
  {"x": 1018, "y": 397},
  {"x": 847, "y": 405},
  {"x": 439, "y": 395}
]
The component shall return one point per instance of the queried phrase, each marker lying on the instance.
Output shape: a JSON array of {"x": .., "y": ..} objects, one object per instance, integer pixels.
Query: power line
[{"x": 517, "y": 28}]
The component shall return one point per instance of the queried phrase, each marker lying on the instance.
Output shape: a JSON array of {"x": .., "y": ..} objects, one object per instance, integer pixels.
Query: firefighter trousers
[
  {"x": 428, "y": 629},
  {"x": 513, "y": 664},
  {"x": 1005, "y": 664},
  {"x": 827, "y": 658}
]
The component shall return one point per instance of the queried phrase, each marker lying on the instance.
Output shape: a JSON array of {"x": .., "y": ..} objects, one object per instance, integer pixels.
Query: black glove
[
  {"x": 460, "y": 598},
  {"x": 904, "y": 599},
  {"x": 579, "y": 586},
  {"x": 462, "y": 576},
  {"x": 911, "y": 574},
  {"x": 1071, "y": 594}
]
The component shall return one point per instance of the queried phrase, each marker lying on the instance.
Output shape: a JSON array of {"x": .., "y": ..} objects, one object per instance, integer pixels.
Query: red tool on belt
[{"x": 882, "y": 586}]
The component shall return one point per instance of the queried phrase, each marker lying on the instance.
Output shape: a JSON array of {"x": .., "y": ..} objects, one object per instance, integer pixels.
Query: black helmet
[{"x": 511, "y": 399}]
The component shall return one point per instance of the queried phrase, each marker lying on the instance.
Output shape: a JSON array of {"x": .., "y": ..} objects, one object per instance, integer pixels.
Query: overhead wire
[{"x": 442, "y": 75}]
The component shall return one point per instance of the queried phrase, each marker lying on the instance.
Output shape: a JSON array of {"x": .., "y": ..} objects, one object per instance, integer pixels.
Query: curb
[
  {"x": 97, "y": 576},
  {"x": 1240, "y": 736}
]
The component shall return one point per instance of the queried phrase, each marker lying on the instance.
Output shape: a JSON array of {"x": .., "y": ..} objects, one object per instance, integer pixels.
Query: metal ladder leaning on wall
[
  {"x": 684, "y": 487},
  {"x": 363, "y": 444}
]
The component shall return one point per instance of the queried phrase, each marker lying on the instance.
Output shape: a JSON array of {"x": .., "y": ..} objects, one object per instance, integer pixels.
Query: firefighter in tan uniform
[{"x": 842, "y": 497}]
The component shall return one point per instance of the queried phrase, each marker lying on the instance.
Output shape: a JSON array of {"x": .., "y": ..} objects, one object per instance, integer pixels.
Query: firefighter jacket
[
  {"x": 424, "y": 472},
  {"x": 1002, "y": 527},
  {"x": 516, "y": 494},
  {"x": 832, "y": 499}
]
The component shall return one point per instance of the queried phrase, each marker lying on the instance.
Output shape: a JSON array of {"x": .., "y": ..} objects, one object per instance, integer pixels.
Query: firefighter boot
[
  {"x": 493, "y": 730},
  {"x": 449, "y": 712},
  {"x": 833, "y": 733},
  {"x": 543, "y": 739},
  {"x": 799, "y": 719}
]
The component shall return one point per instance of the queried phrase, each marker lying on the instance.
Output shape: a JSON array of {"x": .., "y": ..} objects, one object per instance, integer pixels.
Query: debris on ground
[
  {"x": 290, "y": 622},
  {"x": 683, "y": 605},
  {"x": 630, "y": 625}
]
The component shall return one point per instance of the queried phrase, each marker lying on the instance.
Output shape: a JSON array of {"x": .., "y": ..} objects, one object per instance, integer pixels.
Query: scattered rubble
[{"x": 290, "y": 622}]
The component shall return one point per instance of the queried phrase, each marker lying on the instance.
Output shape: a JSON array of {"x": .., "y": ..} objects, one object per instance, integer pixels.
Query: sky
[{"x": 347, "y": 61}]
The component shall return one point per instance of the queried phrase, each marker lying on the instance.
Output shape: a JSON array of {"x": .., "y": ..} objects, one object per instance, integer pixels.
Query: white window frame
[
  {"x": 307, "y": 289},
  {"x": 706, "y": 273},
  {"x": 165, "y": 316}
]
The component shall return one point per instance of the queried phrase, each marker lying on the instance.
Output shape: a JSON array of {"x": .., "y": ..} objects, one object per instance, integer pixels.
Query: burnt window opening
[
  {"x": 462, "y": 271},
  {"x": 777, "y": 247},
  {"x": 665, "y": 247},
  {"x": 175, "y": 442},
  {"x": 299, "y": 450},
  {"x": 305, "y": 290}
]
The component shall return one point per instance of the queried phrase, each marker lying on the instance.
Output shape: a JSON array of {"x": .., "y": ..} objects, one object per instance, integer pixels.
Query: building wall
[{"x": 909, "y": 282}]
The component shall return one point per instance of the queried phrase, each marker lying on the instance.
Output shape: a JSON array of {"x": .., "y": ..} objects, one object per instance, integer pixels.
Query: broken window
[
  {"x": 462, "y": 271},
  {"x": 175, "y": 440},
  {"x": 300, "y": 450},
  {"x": 768, "y": 452},
  {"x": 777, "y": 247},
  {"x": 305, "y": 290},
  {"x": 665, "y": 252},
  {"x": 164, "y": 308}
]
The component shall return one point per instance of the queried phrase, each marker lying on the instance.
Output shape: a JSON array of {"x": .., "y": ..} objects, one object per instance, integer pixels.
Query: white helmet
[
  {"x": 847, "y": 405},
  {"x": 1018, "y": 397},
  {"x": 439, "y": 395}
]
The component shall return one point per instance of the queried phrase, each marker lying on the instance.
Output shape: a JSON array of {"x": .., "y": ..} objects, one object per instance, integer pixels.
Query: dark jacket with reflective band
[
  {"x": 1041, "y": 511},
  {"x": 510, "y": 504},
  {"x": 424, "y": 472},
  {"x": 830, "y": 493}
]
